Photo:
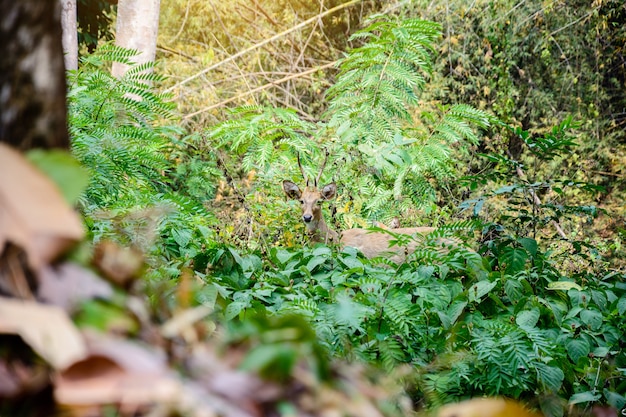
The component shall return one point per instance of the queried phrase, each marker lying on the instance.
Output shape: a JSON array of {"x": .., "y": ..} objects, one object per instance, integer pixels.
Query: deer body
[{"x": 374, "y": 244}]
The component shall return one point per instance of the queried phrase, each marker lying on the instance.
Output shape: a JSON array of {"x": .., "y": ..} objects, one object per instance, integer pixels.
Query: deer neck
[{"x": 318, "y": 231}]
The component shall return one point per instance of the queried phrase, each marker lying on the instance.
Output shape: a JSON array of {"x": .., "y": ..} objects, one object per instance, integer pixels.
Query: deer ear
[
  {"x": 329, "y": 191},
  {"x": 291, "y": 190}
]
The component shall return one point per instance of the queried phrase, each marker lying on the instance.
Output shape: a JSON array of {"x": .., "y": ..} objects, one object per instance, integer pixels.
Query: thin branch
[
  {"x": 182, "y": 26},
  {"x": 261, "y": 88},
  {"x": 175, "y": 52},
  {"x": 537, "y": 201},
  {"x": 265, "y": 42}
]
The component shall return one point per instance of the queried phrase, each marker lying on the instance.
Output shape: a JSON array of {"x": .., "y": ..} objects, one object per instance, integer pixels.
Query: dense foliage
[
  {"x": 124, "y": 133},
  {"x": 523, "y": 306}
]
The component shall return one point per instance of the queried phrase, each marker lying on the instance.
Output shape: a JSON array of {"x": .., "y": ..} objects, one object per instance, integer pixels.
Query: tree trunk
[
  {"x": 32, "y": 75},
  {"x": 70, "y": 34},
  {"x": 137, "y": 28}
]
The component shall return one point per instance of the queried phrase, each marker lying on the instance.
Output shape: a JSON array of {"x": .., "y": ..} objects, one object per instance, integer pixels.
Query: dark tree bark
[{"x": 32, "y": 75}]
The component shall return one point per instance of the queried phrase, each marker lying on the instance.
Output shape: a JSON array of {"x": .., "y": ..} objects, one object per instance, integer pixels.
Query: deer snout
[{"x": 307, "y": 218}]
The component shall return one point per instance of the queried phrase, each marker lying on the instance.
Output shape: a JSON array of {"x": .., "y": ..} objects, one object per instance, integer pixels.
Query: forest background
[{"x": 500, "y": 123}]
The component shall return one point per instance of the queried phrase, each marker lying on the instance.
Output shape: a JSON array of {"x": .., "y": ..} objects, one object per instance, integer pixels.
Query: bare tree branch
[
  {"x": 261, "y": 88},
  {"x": 265, "y": 42}
]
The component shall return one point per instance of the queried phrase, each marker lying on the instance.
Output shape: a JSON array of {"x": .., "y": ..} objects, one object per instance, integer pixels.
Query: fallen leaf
[
  {"x": 486, "y": 407},
  {"x": 46, "y": 329},
  {"x": 33, "y": 213},
  {"x": 68, "y": 284},
  {"x": 182, "y": 323},
  {"x": 118, "y": 264},
  {"x": 116, "y": 371}
]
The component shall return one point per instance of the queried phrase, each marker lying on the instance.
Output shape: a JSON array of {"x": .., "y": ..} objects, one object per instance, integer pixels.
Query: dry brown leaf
[
  {"x": 116, "y": 371},
  {"x": 33, "y": 213},
  {"x": 486, "y": 407},
  {"x": 46, "y": 329},
  {"x": 182, "y": 323},
  {"x": 68, "y": 284},
  {"x": 118, "y": 264}
]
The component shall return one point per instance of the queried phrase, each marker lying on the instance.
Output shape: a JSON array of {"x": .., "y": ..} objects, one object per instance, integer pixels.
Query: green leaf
[
  {"x": 315, "y": 261},
  {"x": 207, "y": 295},
  {"x": 66, "y": 172},
  {"x": 480, "y": 289},
  {"x": 528, "y": 318},
  {"x": 273, "y": 360},
  {"x": 352, "y": 262},
  {"x": 616, "y": 400},
  {"x": 454, "y": 312},
  {"x": 551, "y": 376},
  {"x": 600, "y": 352},
  {"x": 282, "y": 255},
  {"x": 591, "y": 318},
  {"x": 577, "y": 348},
  {"x": 551, "y": 406},
  {"x": 514, "y": 290},
  {"x": 621, "y": 305},
  {"x": 349, "y": 313},
  {"x": 182, "y": 237},
  {"x": 514, "y": 259},
  {"x": 564, "y": 286},
  {"x": 233, "y": 309},
  {"x": 529, "y": 244},
  {"x": 584, "y": 397}
]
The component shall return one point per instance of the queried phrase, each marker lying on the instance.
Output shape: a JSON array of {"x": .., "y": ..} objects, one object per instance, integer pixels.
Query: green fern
[
  {"x": 123, "y": 132},
  {"x": 116, "y": 128},
  {"x": 385, "y": 152}
]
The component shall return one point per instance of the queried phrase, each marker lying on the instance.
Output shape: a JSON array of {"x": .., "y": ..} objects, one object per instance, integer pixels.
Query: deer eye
[{"x": 301, "y": 201}]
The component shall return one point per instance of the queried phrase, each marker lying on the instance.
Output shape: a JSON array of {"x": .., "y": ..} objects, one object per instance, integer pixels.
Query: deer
[{"x": 371, "y": 243}]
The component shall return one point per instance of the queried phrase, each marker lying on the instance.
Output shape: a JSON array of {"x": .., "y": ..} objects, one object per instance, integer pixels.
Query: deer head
[{"x": 310, "y": 199}]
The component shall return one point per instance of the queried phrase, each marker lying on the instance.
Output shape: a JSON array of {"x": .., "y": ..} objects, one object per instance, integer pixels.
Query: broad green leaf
[
  {"x": 513, "y": 289},
  {"x": 529, "y": 244},
  {"x": 577, "y": 348},
  {"x": 233, "y": 309},
  {"x": 282, "y": 255},
  {"x": 600, "y": 352},
  {"x": 616, "y": 400},
  {"x": 564, "y": 286},
  {"x": 621, "y": 305},
  {"x": 527, "y": 318},
  {"x": 558, "y": 308},
  {"x": 207, "y": 295},
  {"x": 455, "y": 310},
  {"x": 448, "y": 318},
  {"x": 315, "y": 261},
  {"x": 591, "y": 318},
  {"x": 551, "y": 376},
  {"x": 584, "y": 397},
  {"x": 514, "y": 259},
  {"x": 573, "y": 312},
  {"x": 480, "y": 289},
  {"x": 349, "y": 313},
  {"x": 425, "y": 272},
  {"x": 599, "y": 297},
  {"x": 551, "y": 406},
  {"x": 352, "y": 262},
  {"x": 322, "y": 251},
  {"x": 238, "y": 259},
  {"x": 279, "y": 357}
]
